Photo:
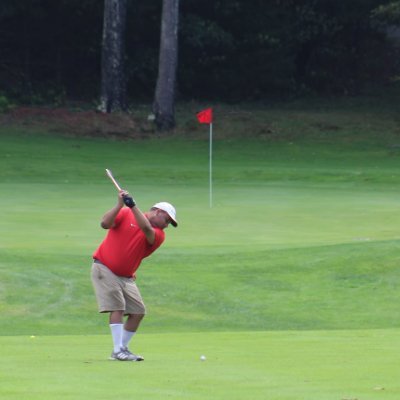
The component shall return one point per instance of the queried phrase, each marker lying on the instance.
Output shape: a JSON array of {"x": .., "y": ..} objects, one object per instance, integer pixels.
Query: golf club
[
  {"x": 128, "y": 200},
  {"x": 110, "y": 175}
]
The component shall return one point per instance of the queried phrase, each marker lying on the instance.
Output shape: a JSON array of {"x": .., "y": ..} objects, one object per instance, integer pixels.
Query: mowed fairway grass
[{"x": 289, "y": 284}]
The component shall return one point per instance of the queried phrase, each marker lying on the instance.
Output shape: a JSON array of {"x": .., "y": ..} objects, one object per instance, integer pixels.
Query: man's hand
[
  {"x": 128, "y": 201},
  {"x": 109, "y": 217},
  {"x": 125, "y": 198}
]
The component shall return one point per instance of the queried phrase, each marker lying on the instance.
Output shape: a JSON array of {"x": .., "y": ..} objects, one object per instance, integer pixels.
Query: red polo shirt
[{"x": 125, "y": 245}]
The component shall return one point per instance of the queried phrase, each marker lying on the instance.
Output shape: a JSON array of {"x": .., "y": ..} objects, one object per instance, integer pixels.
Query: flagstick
[
  {"x": 211, "y": 165},
  {"x": 205, "y": 117}
]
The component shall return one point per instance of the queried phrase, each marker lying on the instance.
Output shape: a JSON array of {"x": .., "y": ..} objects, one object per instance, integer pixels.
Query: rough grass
[{"x": 295, "y": 228}]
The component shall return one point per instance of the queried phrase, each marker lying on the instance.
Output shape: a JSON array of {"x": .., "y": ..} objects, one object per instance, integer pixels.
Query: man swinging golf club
[{"x": 132, "y": 236}]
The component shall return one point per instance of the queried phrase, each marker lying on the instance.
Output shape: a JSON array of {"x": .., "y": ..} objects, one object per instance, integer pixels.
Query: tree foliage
[
  {"x": 228, "y": 49},
  {"x": 388, "y": 13}
]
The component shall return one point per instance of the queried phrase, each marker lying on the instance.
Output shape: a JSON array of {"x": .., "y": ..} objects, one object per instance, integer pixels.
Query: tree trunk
[
  {"x": 164, "y": 99},
  {"x": 113, "y": 85}
]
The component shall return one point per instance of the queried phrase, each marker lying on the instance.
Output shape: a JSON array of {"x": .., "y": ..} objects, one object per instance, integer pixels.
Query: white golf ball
[{"x": 203, "y": 358}]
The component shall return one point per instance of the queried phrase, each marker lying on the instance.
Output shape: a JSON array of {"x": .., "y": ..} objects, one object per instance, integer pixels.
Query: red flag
[{"x": 205, "y": 116}]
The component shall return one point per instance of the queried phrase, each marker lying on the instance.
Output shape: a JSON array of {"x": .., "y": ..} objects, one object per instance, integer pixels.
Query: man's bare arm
[
  {"x": 108, "y": 219},
  {"x": 144, "y": 224}
]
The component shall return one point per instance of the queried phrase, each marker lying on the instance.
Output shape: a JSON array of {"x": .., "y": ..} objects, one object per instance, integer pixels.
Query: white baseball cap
[{"x": 169, "y": 209}]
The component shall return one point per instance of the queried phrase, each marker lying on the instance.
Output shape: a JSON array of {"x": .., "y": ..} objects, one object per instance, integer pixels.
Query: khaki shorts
[{"x": 115, "y": 293}]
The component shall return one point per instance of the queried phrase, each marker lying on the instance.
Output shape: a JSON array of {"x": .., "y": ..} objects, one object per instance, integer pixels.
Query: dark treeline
[{"x": 228, "y": 49}]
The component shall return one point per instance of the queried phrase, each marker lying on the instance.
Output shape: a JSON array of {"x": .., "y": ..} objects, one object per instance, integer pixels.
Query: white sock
[
  {"x": 126, "y": 337},
  {"x": 116, "y": 332}
]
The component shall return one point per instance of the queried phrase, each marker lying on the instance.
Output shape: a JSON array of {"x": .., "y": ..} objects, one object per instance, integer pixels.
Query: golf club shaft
[{"x": 109, "y": 174}]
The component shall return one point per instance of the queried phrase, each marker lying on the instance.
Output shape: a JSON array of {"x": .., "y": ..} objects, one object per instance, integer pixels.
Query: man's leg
[
  {"x": 116, "y": 326},
  {"x": 131, "y": 326},
  {"x": 133, "y": 322},
  {"x": 121, "y": 337},
  {"x": 135, "y": 311}
]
